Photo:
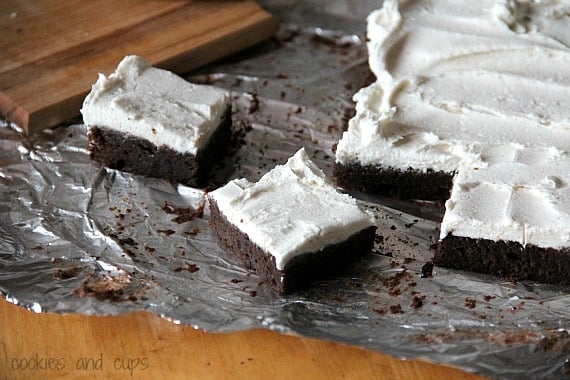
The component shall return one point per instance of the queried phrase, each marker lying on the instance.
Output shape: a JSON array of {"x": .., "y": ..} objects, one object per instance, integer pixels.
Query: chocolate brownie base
[
  {"x": 506, "y": 259},
  {"x": 301, "y": 270},
  {"x": 394, "y": 183},
  {"x": 128, "y": 153}
]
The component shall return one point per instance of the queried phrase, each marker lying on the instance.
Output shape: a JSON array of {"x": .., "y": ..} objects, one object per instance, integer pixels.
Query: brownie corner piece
[
  {"x": 152, "y": 122},
  {"x": 293, "y": 226}
]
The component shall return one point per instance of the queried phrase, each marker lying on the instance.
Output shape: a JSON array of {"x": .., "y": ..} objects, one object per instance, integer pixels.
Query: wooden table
[{"x": 144, "y": 346}]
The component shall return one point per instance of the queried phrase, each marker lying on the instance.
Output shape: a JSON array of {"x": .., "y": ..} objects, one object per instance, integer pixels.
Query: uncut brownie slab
[
  {"x": 292, "y": 226},
  {"x": 151, "y": 122},
  {"x": 464, "y": 88}
]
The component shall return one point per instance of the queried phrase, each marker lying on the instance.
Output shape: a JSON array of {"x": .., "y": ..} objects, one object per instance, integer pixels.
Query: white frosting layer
[
  {"x": 156, "y": 105},
  {"x": 291, "y": 210},
  {"x": 481, "y": 89},
  {"x": 524, "y": 197},
  {"x": 456, "y": 79}
]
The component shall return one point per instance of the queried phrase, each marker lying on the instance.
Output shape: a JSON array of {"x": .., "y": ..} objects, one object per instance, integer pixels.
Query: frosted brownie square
[
  {"x": 292, "y": 226},
  {"x": 151, "y": 122}
]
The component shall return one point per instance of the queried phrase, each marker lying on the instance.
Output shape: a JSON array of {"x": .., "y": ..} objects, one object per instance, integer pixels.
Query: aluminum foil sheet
[{"x": 78, "y": 238}]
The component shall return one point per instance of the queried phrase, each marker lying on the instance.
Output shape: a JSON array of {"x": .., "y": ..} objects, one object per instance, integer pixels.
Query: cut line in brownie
[
  {"x": 395, "y": 183},
  {"x": 125, "y": 152},
  {"x": 507, "y": 259},
  {"x": 300, "y": 271}
]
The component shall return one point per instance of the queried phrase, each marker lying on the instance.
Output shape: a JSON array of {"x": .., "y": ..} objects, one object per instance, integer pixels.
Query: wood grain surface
[
  {"x": 144, "y": 346},
  {"x": 52, "y": 50}
]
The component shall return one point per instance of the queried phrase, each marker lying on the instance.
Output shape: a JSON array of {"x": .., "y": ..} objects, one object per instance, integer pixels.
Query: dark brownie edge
[
  {"x": 507, "y": 259},
  {"x": 394, "y": 183},
  {"x": 301, "y": 270},
  {"x": 128, "y": 153}
]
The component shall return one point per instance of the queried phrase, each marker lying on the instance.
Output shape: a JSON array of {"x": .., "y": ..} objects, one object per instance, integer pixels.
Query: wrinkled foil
[{"x": 79, "y": 238}]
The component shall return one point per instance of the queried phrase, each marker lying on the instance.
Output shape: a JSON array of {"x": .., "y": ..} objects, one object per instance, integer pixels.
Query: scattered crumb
[
  {"x": 65, "y": 273},
  {"x": 417, "y": 302},
  {"x": 470, "y": 303},
  {"x": 104, "y": 286},
  {"x": 427, "y": 270},
  {"x": 187, "y": 267},
  {"x": 184, "y": 214},
  {"x": 380, "y": 311},
  {"x": 396, "y": 309},
  {"x": 254, "y": 103}
]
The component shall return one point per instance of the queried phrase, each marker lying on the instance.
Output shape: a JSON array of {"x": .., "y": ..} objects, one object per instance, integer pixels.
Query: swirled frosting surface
[
  {"x": 455, "y": 79},
  {"x": 481, "y": 89},
  {"x": 156, "y": 105}
]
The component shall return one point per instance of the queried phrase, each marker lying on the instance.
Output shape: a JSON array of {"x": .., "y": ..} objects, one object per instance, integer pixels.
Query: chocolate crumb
[
  {"x": 166, "y": 232},
  {"x": 254, "y": 104},
  {"x": 193, "y": 232},
  {"x": 427, "y": 270},
  {"x": 470, "y": 303},
  {"x": 187, "y": 267},
  {"x": 408, "y": 225},
  {"x": 104, "y": 287},
  {"x": 184, "y": 214},
  {"x": 333, "y": 148},
  {"x": 128, "y": 241},
  {"x": 396, "y": 309},
  {"x": 394, "y": 281},
  {"x": 394, "y": 292},
  {"x": 417, "y": 302},
  {"x": 65, "y": 273},
  {"x": 380, "y": 311}
]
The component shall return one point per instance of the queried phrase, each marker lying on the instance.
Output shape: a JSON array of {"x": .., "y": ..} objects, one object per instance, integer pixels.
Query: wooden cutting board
[{"x": 52, "y": 50}]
